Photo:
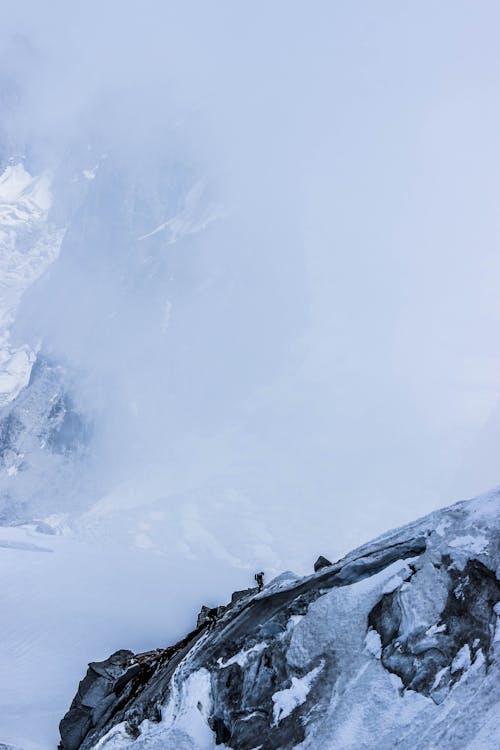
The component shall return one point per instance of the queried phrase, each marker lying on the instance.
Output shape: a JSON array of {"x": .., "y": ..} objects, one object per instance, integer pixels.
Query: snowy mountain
[
  {"x": 249, "y": 313},
  {"x": 395, "y": 645},
  {"x": 134, "y": 365},
  {"x": 161, "y": 435},
  {"x": 39, "y": 424},
  {"x": 29, "y": 243},
  {"x": 172, "y": 326}
]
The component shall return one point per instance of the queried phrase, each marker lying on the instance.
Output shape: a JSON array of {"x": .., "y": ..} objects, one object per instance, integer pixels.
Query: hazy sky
[{"x": 351, "y": 354}]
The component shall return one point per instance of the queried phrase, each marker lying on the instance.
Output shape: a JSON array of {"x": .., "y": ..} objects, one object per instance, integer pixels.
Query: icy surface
[{"x": 336, "y": 669}]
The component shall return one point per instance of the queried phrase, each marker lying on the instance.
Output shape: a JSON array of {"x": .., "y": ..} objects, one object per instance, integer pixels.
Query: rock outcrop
[
  {"x": 385, "y": 648},
  {"x": 321, "y": 562}
]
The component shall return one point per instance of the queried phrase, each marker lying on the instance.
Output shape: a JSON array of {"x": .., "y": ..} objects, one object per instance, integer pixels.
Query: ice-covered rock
[{"x": 390, "y": 646}]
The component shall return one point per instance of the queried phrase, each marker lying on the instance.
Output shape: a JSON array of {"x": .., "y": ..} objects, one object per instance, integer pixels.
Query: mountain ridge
[{"x": 410, "y": 619}]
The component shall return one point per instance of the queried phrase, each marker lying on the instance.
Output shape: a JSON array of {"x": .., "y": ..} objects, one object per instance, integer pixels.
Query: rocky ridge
[{"x": 389, "y": 645}]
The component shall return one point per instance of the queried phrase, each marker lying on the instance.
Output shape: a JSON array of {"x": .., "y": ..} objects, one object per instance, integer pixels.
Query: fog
[
  {"x": 314, "y": 329},
  {"x": 272, "y": 327}
]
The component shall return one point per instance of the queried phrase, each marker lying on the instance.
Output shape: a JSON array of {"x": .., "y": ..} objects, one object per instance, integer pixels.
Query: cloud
[{"x": 331, "y": 330}]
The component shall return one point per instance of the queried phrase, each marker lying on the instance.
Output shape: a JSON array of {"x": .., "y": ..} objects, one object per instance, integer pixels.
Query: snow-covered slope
[
  {"x": 63, "y": 597},
  {"x": 396, "y": 645}
]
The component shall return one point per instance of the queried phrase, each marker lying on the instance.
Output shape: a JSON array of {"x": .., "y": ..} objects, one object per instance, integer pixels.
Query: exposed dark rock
[
  {"x": 203, "y": 616},
  {"x": 321, "y": 562},
  {"x": 209, "y": 615},
  {"x": 222, "y": 733},
  {"x": 94, "y": 701},
  {"x": 263, "y": 682},
  {"x": 125, "y": 678},
  {"x": 242, "y": 698},
  {"x": 237, "y": 595}
]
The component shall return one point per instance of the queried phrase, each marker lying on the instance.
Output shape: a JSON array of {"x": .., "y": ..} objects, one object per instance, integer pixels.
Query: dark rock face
[
  {"x": 115, "y": 691},
  {"x": 209, "y": 615},
  {"x": 243, "y": 703},
  {"x": 205, "y": 615},
  {"x": 107, "y": 695},
  {"x": 95, "y": 700},
  {"x": 263, "y": 670},
  {"x": 321, "y": 562}
]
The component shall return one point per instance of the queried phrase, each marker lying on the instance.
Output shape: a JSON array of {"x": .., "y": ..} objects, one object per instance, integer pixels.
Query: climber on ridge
[
  {"x": 259, "y": 577},
  {"x": 212, "y": 618}
]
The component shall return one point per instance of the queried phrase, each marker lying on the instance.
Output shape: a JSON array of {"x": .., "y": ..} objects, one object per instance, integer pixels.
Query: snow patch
[
  {"x": 476, "y": 544},
  {"x": 439, "y": 677},
  {"x": 283, "y": 580},
  {"x": 461, "y": 660},
  {"x": 441, "y": 528},
  {"x": 436, "y": 629},
  {"x": 241, "y": 657},
  {"x": 286, "y": 701},
  {"x": 373, "y": 643},
  {"x": 15, "y": 371},
  {"x": 392, "y": 584}
]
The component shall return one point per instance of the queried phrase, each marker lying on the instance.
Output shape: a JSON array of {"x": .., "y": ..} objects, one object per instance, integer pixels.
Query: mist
[
  {"x": 313, "y": 327},
  {"x": 248, "y": 306}
]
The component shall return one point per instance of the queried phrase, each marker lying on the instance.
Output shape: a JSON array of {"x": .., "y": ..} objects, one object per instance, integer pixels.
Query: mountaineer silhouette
[{"x": 259, "y": 578}]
